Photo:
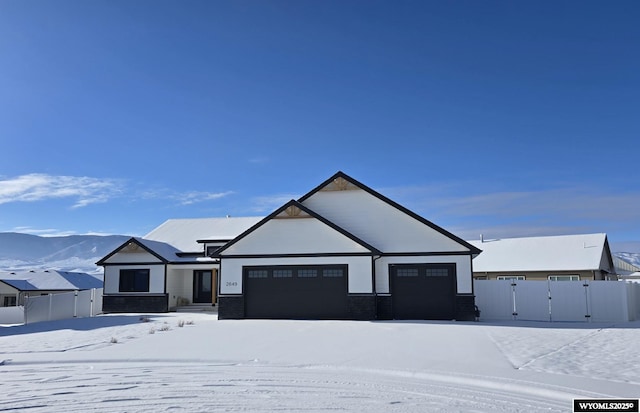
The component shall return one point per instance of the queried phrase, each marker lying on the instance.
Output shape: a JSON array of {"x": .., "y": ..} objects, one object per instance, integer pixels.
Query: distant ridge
[
  {"x": 68, "y": 253},
  {"x": 20, "y": 252}
]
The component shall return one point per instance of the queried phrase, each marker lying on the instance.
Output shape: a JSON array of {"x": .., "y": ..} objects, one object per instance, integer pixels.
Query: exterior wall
[
  {"x": 140, "y": 303},
  {"x": 294, "y": 235},
  {"x": 179, "y": 285},
  {"x": 462, "y": 262},
  {"x": 358, "y": 212},
  {"x": 359, "y": 271},
  {"x": 112, "y": 278},
  {"x": 8, "y": 291},
  {"x": 540, "y": 275},
  {"x": 180, "y": 281}
]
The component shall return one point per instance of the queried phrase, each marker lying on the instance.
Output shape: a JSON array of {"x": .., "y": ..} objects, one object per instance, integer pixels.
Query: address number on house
[{"x": 231, "y": 284}]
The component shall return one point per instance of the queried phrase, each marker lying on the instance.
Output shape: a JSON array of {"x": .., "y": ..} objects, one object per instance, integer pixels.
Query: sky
[{"x": 498, "y": 118}]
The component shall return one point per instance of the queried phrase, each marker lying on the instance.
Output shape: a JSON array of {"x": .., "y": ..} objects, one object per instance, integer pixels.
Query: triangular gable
[
  {"x": 295, "y": 210},
  {"x": 343, "y": 182},
  {"x": 606, "y": 262},
  {"x": 159, "y": 250}
]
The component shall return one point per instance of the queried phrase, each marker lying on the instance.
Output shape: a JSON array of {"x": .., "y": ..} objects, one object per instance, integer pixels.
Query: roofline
[
  {"x": 101, "y": 262},
  {"x": 472, "y": 249},
  {"x": 308, "y": 211}
]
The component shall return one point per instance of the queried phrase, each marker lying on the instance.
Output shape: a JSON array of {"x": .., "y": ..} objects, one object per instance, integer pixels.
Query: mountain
[
  {"x": 80, "y": 252},
  {"x": 630, "y": 257},
  {"x": 69, "y": 253}
]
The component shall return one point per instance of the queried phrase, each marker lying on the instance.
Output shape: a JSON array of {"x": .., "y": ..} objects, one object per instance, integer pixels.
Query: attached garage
[
  {"x": 344, "y": 251},
  {"x": 317, "y": 292},
  {"x": 423, "y": 291}
]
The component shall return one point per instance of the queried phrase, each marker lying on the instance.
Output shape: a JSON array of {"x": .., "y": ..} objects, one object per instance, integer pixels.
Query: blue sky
[{"x": 501, "y": 118}]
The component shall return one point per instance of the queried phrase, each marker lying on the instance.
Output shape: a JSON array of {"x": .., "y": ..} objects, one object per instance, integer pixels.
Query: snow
[{"x": 193, "y": 362}]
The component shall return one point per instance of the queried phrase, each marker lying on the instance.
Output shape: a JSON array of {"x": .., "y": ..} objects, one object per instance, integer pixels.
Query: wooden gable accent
[
  {"x": 339, "y": 184},
  {"x": 292, "y": 211}
]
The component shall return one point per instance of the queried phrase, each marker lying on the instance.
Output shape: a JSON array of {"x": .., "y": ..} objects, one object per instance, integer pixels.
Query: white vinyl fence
[
  {"x": 598, "y": 301},
  {"x": 86, "y": 303}
]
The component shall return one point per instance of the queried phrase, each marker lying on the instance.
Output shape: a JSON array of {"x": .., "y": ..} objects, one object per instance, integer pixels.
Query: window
[
  {"x": 511, "y": 277},
  {"x": 564, "y": 278},
  {"x": 307, "y": 273},
  {"x": 9, "y": 301},
  {"x": 333, "y": 272},
  {"x": 257, "y": 273},
  {"x": 282, "y": 274},
  {"x": 407, "y": 272},
  {"x": 436, "y": 272},
  {"x": 134, "y": 281}
]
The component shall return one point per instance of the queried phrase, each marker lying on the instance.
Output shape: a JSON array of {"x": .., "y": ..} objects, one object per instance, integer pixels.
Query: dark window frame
[{"x": 134, "y": 280}]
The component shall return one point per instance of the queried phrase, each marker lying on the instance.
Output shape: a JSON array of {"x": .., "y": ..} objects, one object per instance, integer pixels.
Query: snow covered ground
[{"x": 193, "y": 362}]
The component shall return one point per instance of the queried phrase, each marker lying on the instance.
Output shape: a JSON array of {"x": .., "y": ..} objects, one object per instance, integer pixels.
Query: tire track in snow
[{"x": 209, "y": 387}]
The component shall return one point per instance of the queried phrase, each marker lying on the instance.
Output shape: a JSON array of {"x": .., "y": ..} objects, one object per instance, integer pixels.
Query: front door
[{"x": 202, "y": 286}]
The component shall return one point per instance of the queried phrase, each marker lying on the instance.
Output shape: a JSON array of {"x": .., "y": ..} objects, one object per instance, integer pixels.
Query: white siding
[
  {"x": 132, "y": 257},
  {"x": 294, "y": 235},
  {"x": 7, "y": 290},
  {"x": 359, "y": 271},
  {"x": 462, "y": 262},
  {"x": 112, "y": 278},
  {"x": 179, "y": 284},
  {"x": 378, "y": 223}
]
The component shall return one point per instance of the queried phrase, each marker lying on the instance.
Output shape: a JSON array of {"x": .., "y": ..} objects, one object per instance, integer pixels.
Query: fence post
[
  {"x": 549, "y": 296},
  {"x": 514, "y": 313},
  {"x": 26, "y": 300},
  {"x": 50, "y": 306},
  {"x": 586, "y": 301},
  {"x": 92, "y": 298}
]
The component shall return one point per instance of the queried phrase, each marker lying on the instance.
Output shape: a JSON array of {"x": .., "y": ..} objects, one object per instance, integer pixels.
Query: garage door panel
[
  {"x": 296, "y": 292},
  {"x": 423, "y": 291}
]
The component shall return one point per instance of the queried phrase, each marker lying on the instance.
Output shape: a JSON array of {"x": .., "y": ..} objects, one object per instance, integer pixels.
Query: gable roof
[
  {"x": 293, "y": 203},
  {"x": 550, "y": 253},
  {"x": 340, "y": 178},
  {"x": 185, "y": 234},
  {"x": 50, "y": 280},
  {"x": 161, "y": 250}
]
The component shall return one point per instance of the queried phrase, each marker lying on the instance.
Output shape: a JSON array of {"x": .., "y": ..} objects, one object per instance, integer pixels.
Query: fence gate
[{"x": 601, "y": 301}]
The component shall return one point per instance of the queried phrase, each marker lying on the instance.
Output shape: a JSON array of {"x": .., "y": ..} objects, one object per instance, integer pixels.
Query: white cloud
[
  {"x": 188, "y": 198},
  {"x": 41, "y": 187},
  {"x": 498, "y": 214},
  {"x": 268, "y": 204}
]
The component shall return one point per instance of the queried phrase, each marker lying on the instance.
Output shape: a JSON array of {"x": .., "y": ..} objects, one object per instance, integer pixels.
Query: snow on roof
[
  {"x": 184, "y": 233},
  {"x": 163, "y": 249},
  {"x": 50, "y": 280},
  {"x": 559, "y": 253}
]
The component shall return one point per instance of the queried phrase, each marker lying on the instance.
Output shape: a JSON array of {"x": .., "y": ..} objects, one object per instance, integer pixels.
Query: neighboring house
[
  {"x": 626, "y": 270},
  {"x": 15, "y": 286},
  {"x": 555, "y": 258},
  {"x": 169, "y": 267},
  {"x": 344, "y": 251}
]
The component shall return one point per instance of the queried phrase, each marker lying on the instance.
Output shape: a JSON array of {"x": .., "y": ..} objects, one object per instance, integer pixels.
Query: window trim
[
  {"x": 145, "y": 273},
  {"x": 511, "y": 278},
  {"x": 571, "y": 277}
]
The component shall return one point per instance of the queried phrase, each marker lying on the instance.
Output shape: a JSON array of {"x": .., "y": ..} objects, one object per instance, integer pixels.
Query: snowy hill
[
  {"x": 630, "y": 257},
  {"x": 69, "y": 253}
]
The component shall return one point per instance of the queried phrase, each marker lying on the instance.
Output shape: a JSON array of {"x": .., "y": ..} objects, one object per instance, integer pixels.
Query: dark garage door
[
  {"x": 313, "y": 292},
  {"x": 423, "y": 291}
]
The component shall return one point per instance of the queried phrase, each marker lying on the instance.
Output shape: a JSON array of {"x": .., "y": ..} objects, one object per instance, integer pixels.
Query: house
[
  {"x": 15, "y": 286},
  {"x": 554, "y": 258},
  {"x": 344, "y": 251},
  {"x": 626, "y": 270},
  {"x": 169, "y": 267}
]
